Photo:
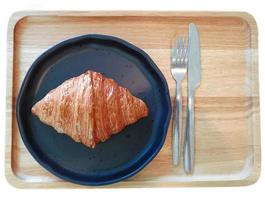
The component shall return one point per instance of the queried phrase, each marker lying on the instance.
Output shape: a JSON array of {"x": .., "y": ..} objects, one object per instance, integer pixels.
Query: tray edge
[{"x": 13, "y": 180}]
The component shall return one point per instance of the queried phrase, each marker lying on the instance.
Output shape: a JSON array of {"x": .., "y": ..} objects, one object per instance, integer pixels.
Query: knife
[{"x": 194, "y": 80}]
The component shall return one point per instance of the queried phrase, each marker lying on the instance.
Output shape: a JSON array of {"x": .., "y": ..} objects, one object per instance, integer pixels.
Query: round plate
[{"x": 123, "y": 154}]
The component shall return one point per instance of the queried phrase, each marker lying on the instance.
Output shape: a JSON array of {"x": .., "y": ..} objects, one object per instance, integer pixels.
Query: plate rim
[{"x": 61, "y": 44}]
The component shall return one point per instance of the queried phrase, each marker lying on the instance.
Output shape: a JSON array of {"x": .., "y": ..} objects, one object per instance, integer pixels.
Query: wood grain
[{"x": 226, "y": 105}]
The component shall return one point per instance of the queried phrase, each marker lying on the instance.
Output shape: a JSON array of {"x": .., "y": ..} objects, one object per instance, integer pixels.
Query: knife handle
[
  {"x": 177, "y": 126},
  {"x": 189, "y": 149}
]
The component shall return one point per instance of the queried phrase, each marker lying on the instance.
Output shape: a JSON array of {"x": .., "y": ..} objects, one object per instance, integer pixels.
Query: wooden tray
[{"x": 227, "y": 102}]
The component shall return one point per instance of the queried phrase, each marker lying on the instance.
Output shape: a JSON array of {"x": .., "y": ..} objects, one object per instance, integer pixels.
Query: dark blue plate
[{"x": 124, "y": 154}]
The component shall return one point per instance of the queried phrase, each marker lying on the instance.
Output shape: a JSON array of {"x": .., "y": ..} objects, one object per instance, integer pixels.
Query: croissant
[{"x": 89, "y": 108}]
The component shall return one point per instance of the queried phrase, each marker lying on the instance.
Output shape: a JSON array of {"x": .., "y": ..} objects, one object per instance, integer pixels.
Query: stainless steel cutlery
[
  {"x": 187, "y": 54},
  {"x": 178, "y": 71},
  {"x": 194, "y": 80}
]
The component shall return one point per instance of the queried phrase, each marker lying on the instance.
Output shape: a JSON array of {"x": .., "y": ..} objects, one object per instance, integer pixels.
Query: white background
[{"x": 7, "y": 7}]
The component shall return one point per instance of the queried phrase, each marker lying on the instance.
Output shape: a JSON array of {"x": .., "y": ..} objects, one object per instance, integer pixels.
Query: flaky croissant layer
[{"x": 89, "y": 108}]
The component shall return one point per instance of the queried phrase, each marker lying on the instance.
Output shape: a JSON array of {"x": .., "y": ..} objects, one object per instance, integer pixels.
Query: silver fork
[{"x": 179, "y": 59}]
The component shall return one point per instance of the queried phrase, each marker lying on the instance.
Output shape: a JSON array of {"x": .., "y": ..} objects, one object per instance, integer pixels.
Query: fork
[{"x": 179, "y": 60}]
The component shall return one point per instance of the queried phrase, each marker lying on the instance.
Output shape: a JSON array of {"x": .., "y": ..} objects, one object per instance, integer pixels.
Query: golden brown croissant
[{"x": 89, "y": 108}]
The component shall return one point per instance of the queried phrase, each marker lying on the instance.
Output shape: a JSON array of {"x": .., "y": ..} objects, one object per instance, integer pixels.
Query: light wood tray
[{"x": 227, "y": 102}]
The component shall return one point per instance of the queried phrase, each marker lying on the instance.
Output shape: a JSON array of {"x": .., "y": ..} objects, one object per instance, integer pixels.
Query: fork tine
[
  {"x": 186, "y": 50},
  {"x": 185, "y": 43},
  {"x": 177, "y": 48},
  {"x": 180, "y": 42},
  {"x": 183, "y": 50},
  {"x": 173, "y": 51},
  {"x": 177, "y": 42},
  {"x": 180, "y": 47}
]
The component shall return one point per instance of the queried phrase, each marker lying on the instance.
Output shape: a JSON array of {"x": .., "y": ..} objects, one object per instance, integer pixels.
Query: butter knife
[{"x": 194, "y": 80}]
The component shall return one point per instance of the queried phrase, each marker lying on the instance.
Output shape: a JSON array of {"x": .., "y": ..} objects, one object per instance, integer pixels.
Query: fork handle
[
  {"x": 190, "y": 137},
  {"x": 177, "y": 125}
]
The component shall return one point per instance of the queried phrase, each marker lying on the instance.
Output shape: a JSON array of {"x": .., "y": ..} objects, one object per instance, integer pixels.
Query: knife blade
[
  {"x": 194, "y": 80},
  {"x": 194, "y": 65}
]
